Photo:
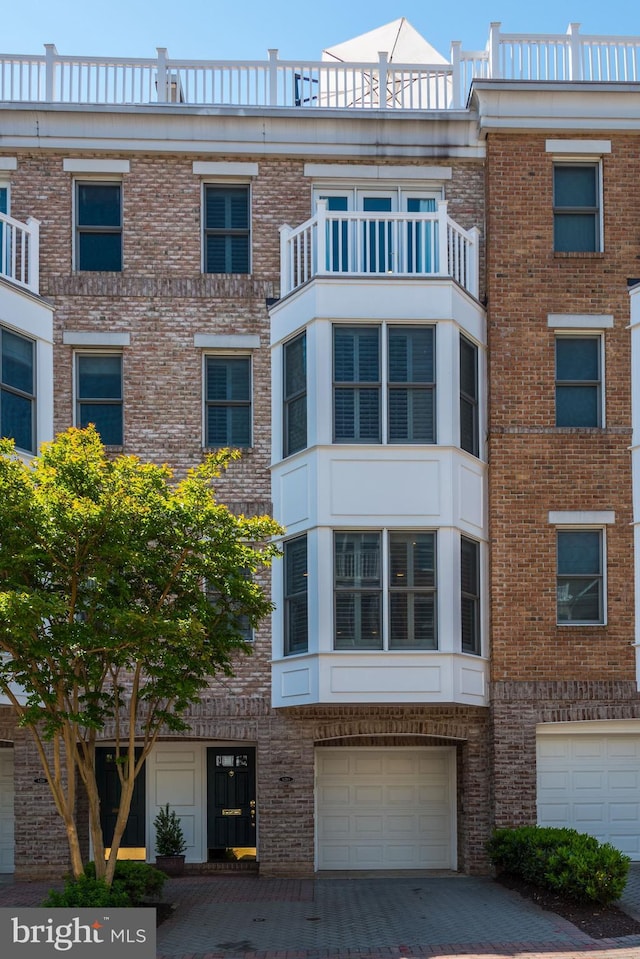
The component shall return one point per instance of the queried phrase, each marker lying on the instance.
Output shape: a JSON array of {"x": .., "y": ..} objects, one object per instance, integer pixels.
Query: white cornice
[
  {"x": 219, "y": 132},
  {"x": 563, "y": 107}
]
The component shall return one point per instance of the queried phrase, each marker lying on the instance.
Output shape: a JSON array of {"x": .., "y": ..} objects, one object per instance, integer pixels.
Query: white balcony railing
[
  {"x": 329, "y": 84},
  {"x": 20, "y": 252},
  {"x": 363, "y": 244}
]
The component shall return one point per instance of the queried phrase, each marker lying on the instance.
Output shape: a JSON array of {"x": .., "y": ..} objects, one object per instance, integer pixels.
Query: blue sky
[{"x": 245, "y": 29}]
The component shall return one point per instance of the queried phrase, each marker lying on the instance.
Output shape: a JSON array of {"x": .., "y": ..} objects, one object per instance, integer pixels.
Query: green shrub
[
  {"x": 564, "y": 860},
  {"x": 87, "y": 892},
  {"x": 140, "y": 880}
]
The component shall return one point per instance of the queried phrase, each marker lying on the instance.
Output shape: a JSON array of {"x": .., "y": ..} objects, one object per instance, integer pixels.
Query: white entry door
[
  {"x": 6, "y": 811},
  {"x": 385, "y": 808},
  {"x": 592, "y": 783}
]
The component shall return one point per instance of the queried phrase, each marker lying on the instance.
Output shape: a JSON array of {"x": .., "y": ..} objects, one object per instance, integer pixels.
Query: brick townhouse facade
[{"x": 412, "y": 313}]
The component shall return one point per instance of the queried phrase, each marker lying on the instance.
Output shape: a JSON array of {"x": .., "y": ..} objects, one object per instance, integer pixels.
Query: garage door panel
[
  {"x": 624, "y": 779},
  {"x": 599, "y": 786},
  {"x": 399, "y": 817}
]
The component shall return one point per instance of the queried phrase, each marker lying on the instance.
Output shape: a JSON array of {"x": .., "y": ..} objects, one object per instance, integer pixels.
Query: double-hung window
[
  {"x": 470, "y": 595},
  {"x": 17, "y": 389},
  {"x": 409, "y": 380},
  {"x": 226, "y": 229},
  {"x": 357, "y": 387},
  {"x": 295, "y": 395},
  {"x": 580, "y": 576},
  {"x": 99, "y": 395},
  {"x": 576, "y": 207},
  {"x": 384, "y": 590},
  {"x": 228, "y": 401},
  {"x": 411, "y": 384},
  {"x": 578, "y": 381},
  {"x": 469, "y": 422},
  {"x": 296, "y": 632},
  {"x": 98, "y": 226}
]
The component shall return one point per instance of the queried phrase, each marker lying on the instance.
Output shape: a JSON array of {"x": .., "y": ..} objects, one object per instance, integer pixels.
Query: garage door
[
  {"x": 6, "y": 810},
  {"x": 385, "y": 808},
  {"x": 592, "y": 783}
]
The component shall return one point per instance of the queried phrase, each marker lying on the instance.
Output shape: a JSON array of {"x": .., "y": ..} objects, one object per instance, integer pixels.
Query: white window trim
[
  {"x": 227, "y": 353},
  {"x": 591, "y": 333},
  {"x": 567, "y": 524},
  {"x": 230, "y": 181},
  {"x": 355, "y": 192},
  {"x": 74, "y": 233},
  {"x": 5, "y": 184},
  {"x": 106, "y": 351},
  {"x": 585, "y": 159}
]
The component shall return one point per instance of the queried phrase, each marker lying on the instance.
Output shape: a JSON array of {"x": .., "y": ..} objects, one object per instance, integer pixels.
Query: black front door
[
  {"x": 231, "y": 797},
  {"x": 109, "y": 791}
]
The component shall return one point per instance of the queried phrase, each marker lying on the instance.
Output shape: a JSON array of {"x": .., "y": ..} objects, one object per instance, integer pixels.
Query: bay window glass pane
[
  {"x": 295, "y": 595},
  {"x": 16, "y": 416},
  {"x": 412, "y": 591},
  {"x": 470, "y": 596},
  {"x": 17, "y": 362},
  {"x": 358, "y": 593},
  {"x": 356, "y": 373},
  {"x": 295, "y": 395}
]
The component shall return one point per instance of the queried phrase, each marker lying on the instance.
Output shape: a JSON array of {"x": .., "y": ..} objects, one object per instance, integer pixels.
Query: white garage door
[
  {"x": 592, "y": 783},
  {"x": 6, "y": 811},
  {"x": 386, "y": 808}
]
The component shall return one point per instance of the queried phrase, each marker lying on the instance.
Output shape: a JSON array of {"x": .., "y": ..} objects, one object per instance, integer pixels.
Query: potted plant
[{"x": 170, "y": 842}]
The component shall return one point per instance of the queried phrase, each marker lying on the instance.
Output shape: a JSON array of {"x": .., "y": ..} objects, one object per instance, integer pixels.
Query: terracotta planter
[{"x": 171, "y": 865}]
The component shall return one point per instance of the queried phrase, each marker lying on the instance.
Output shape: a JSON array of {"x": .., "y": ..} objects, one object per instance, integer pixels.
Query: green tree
[{"x": 121, "y": 592}]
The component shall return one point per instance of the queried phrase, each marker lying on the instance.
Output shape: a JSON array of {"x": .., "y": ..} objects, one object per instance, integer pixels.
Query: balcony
[
  {"x": 380, "y": 84},
  {"x": 20, "y": 252},
  {"x": 357, "y": 244}
]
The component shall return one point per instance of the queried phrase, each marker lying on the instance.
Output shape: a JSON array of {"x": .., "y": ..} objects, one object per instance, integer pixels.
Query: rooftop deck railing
[
  {"x": 334, "y": 243},
  {"x": 379, "y": 84},
  {"x": 20, "y": 252}
]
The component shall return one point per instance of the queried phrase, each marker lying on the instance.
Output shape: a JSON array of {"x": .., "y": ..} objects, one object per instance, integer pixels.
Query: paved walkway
[{"x": 334, "y": 917}]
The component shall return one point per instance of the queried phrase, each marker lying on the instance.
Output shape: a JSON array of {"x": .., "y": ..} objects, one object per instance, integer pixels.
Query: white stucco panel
[
  {"x": 471, "y": 496},
  {"x": 375, "y": 488},
  {"x": 294, "y": 496}
]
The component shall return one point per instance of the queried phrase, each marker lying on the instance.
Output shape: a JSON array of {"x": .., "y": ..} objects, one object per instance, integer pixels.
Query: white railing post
[
  {"x": 161, "y": 81},
  {"x": 443, "y": 242},
  {"x": 473, "y": 279},
  {"x": 494, "y": 51},
  {"x": 574, "y": 58},
  {"x": 321, "y": 238},
  {"x": 273, "y": 79},
  {"x": 456, "y": 74},
  {"x": 383, "y": 68},
  {"x": 50, "y": 54},
  {"x": 286, "y": 280},
  {"x": 33, "y": 261}
]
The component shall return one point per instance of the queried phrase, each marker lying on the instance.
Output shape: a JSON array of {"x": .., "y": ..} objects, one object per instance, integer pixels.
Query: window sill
[
  {"x": 581, "y": 625},
  {"x": 578, "y": 255}
]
